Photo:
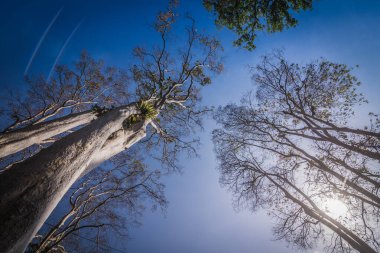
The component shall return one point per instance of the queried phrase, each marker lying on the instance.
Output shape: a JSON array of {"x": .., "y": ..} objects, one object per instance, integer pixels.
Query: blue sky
[{"x": 200, "y": 217}]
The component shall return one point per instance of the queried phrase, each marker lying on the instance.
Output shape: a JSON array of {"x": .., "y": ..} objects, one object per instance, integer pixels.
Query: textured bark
[
  {"x": 118, "y": 142},
  {"x": 12, "y": 142},
  {"x": 31, "y": 189}
]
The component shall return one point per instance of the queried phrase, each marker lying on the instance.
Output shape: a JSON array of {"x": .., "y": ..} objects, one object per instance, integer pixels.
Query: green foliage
[
  {"x": 147, "y": 112},
  {"x": 246, "y": 17}
]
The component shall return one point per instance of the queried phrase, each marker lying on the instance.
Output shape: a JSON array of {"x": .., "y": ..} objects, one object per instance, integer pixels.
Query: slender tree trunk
[
  {"x": 12, "y": 142},
  {"x": 352, "y": 239},
  {"x": 31, "y": 189}
]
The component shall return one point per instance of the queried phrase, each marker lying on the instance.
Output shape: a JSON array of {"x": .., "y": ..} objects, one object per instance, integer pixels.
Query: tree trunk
[
  {"x": 352, "y": 239},
  {"x": 12, "y": 142},
  {"x": 118, "y": 142},
  {"x": 30, "y": 190}
]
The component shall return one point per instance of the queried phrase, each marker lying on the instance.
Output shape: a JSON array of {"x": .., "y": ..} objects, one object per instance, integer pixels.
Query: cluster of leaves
[
  {"x": 247, "y": 17},
  {"x": 147, "y": 111}
]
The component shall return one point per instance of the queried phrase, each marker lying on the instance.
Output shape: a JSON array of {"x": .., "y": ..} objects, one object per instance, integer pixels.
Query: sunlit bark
[
  {"x": 31, "y": 189},
  {"x": 14, "y": 141},
  {"x": 118, "y": 142}
]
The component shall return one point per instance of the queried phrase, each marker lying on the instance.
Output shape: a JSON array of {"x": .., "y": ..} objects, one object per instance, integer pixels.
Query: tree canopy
[
  {"x": 248, "y": 17},
  {"x": 291, "y": 150}
]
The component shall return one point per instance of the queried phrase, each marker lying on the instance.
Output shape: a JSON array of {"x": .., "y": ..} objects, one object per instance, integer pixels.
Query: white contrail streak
[
  {"x": 40, "y": 41},
  {"x": 63, "y": 49}
]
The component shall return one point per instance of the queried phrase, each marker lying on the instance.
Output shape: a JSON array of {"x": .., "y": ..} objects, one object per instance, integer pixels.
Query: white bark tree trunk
[
  {"x": 20, "y": 139},
  {"x": 118, "y": 142},
  {"x": 30, "y": 190}
]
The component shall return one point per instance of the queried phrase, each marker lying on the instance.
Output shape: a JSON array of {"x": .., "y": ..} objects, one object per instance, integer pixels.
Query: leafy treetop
[{"x": 246, "y": 17}]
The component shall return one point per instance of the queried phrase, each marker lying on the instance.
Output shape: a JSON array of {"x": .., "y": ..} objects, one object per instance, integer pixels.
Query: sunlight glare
[{"x": 335, "y": 208}]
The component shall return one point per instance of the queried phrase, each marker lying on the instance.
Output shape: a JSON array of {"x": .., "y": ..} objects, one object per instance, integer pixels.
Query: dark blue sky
[{"x": 200, "y": 217}]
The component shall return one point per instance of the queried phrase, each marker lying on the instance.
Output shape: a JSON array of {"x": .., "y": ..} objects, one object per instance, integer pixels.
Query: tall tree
[
  {"x": 291, "y": 150},
  {"x": 247, "y": 17},
  {"x": 167, "y": 85}
]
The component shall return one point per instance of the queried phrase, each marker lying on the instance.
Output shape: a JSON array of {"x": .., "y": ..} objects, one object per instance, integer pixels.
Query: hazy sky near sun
[{"x": 200, "y": 217}]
